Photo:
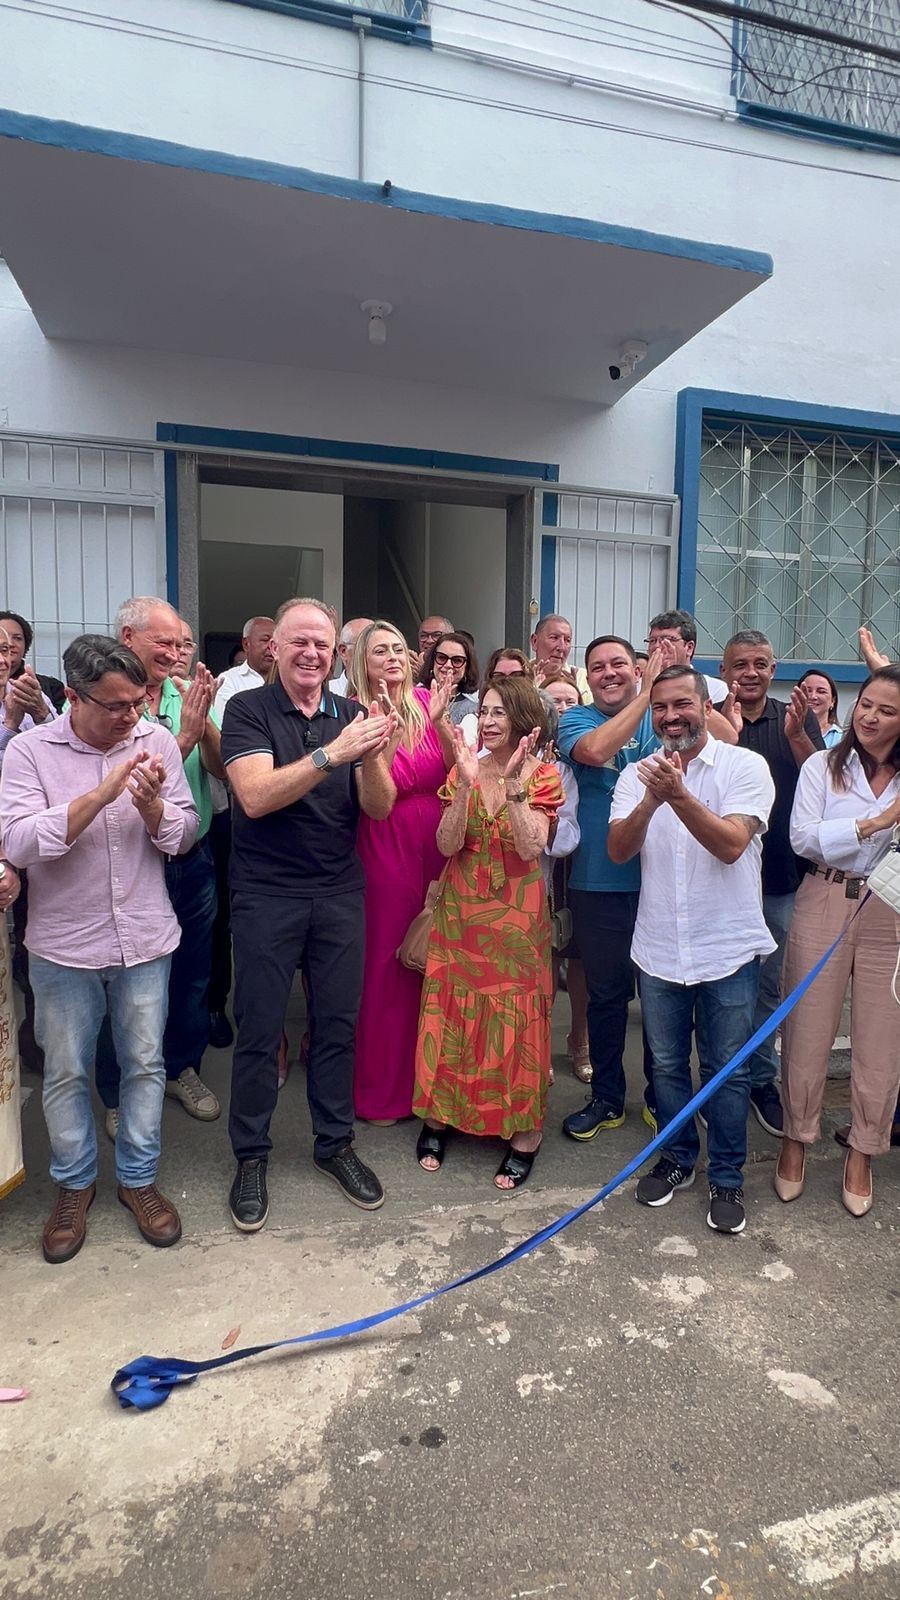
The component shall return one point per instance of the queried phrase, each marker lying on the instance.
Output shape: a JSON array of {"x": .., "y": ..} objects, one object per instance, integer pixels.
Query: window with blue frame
[
  {"x": 781, "y": 76},
  {"x": 798, "y": 534},
  {"x": 403, "y": 19}
]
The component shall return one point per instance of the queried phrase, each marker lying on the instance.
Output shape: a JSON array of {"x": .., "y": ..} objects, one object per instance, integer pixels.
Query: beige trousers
[{"x": 868, "y": 954}]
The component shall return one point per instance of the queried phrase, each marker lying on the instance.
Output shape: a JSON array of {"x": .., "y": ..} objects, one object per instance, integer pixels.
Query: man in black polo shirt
[
  {"x": 784, "y": 734},
  {"x": 302, "y": 762}
]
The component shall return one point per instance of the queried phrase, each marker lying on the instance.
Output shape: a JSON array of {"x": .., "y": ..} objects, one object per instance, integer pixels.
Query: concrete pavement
[{"x": 642, "y": 1411}]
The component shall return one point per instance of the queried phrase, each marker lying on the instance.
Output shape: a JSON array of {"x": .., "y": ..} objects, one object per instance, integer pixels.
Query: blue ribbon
[{"x": 148, "y": 1381}]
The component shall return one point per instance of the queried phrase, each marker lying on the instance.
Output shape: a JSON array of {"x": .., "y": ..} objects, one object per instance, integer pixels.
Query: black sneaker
[
  {"x": 221, "y": 1033},
  {"x": 594, "y": 1118},
  {"x": 726, "y": 1210},
  {"x": 358, "y": 1181},
  {"x": 765, "y": 1103},
  {"x": 657, "y": 1187},
  {"x": 249, "y": 1198}
]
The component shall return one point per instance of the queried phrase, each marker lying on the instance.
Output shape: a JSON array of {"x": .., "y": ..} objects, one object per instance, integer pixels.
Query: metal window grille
[
  {"x": 809, "y": 78},
  {"x": 81, "y": 528},
  {"x": 407, "y": 10},
  {"x": 800, "y": 537},
  {"x": 614, "y": 561}
]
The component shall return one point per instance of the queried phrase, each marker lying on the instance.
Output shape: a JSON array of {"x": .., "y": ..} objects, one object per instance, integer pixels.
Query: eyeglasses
[
  {"x": 443, "y": 660},
  {"x": 117, "y": 708}
]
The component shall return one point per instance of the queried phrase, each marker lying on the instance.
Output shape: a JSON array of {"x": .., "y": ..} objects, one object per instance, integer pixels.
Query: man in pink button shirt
[{"x": 92, "y": 805}]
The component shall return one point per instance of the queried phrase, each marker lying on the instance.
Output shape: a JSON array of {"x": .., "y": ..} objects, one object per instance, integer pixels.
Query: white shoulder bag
[{"x": 884, "y": 880}]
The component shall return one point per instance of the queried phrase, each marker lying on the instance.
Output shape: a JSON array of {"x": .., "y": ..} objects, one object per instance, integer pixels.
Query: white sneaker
[
  {"x": 112, "y": 1122},
  {"x": 197, "y": 1099}
]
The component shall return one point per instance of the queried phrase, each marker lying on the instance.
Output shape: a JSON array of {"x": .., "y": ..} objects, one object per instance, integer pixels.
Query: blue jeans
[
  {"x": 191, "y": 882},
  {"x": 778, "y": 910},
  {"x": 724, "y": 1009},
  {"x": 70, "y": 1004}
]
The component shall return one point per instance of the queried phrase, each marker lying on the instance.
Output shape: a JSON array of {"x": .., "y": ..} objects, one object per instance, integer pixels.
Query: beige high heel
[
  {"x": 856, "y": 1204},
  {"x": 789, "y": 1188},
  {"x": 581, "y": 1061}
]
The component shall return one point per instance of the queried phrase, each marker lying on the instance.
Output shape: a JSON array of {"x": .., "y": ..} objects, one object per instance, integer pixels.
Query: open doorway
[{"x": 368, "y": 546}]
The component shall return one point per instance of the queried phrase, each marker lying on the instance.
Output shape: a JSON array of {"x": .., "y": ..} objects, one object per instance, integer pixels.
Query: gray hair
[
  {"x": 302, "y": 600},
  {"x": 252, "y": 621},
  {"x": 135, "y": 612},
  {"x": 92, "y": 655},
  {"x": 749, "y": 636},
  {"x": 552, "y": 616}
]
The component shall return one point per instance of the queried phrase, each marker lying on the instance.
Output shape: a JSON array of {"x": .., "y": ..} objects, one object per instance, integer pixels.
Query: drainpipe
[{"x": 362, "y": 26}]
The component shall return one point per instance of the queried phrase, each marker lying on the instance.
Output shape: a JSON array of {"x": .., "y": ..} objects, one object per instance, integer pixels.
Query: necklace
[{"x": 493, "y": 768}]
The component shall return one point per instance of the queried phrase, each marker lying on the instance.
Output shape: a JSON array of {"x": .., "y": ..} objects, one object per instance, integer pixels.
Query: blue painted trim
[
  {"x": 768, "y": 408},
  {"x": 790, "y": 671},
  {"x": 688, "y": 431},
  {"x": 278, "y": 444},
  {"x": 170, "y": 469},
  {"x": 135, "y": 147},
  {"x": 548, "y": 574},
  {"x": 820, "y": 128},
  {"x": 550, "y": 510},
  {"x": 411, "y": 29}
]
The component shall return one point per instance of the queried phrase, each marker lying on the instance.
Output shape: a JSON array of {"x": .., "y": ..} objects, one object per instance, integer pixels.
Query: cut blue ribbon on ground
[{"x": 148, "y": 1381}]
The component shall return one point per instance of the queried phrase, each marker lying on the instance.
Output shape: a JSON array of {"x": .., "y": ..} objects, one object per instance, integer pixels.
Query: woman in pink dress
[{"x": 400, "y": 858}]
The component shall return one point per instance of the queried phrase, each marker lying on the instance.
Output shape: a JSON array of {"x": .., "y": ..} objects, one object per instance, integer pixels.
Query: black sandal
[
  {"x": 516, "y": 1164},
  {"x": 432, "y": 1142}
]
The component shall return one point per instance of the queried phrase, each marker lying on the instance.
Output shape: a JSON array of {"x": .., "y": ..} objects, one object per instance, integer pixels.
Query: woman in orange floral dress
[{"x": 483, "y": 1054}]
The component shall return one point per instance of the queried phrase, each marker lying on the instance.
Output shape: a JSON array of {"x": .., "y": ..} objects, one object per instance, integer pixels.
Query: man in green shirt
[{"x": 153, "y": 630}]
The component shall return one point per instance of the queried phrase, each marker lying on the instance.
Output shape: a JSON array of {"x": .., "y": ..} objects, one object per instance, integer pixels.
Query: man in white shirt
[
  {"x": 256, "y": 644},
  {"x": 347, "y": 638},
  {"x": 695, "y": 813},
  {"x": 676, "y": 631}
]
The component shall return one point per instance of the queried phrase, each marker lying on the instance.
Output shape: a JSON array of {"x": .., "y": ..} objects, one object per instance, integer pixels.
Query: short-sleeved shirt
[
  {"x": 591, "y": 866},
  {"x": 782, "y": 870},
  {"x": 194, "y": 770},
  {"x": 699, "y": 919},
  {"x": 307, "y": 848}
]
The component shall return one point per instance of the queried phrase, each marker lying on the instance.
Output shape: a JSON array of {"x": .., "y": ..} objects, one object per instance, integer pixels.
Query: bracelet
[{"x": 859, "y": 837}]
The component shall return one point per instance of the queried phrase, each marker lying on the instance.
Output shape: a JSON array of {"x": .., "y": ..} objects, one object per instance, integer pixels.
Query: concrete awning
[{"x": 122, "y": 240}]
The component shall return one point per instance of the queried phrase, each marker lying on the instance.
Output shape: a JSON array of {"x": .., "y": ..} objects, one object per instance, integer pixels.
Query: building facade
[{"x": 475, "y": 308}]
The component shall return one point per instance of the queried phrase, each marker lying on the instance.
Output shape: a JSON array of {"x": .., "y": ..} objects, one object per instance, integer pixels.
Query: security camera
[{"x": 631, "y": 354}]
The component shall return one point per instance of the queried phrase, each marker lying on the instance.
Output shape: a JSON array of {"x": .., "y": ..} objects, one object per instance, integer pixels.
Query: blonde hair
[{"x": 411, "y": 711}]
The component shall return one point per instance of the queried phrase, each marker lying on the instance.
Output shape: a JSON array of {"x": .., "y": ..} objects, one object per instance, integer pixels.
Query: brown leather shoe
[
  {"x": 156, "y": 1216},
  {"x": 66, "y": 1226}
]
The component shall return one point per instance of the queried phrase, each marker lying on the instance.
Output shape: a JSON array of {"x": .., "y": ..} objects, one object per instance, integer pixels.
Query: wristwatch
[{"x": 321, "y": 760}]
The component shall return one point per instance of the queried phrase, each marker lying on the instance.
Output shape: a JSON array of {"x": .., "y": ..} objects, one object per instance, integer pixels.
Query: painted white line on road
[{"x": 831, "y": 1544}]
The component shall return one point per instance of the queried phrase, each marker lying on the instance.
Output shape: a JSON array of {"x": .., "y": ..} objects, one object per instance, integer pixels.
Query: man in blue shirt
[{"x": 599, "y": 741}]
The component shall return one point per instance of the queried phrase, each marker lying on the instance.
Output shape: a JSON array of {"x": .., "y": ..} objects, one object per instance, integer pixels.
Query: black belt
[{"x": 852, "y": 883}]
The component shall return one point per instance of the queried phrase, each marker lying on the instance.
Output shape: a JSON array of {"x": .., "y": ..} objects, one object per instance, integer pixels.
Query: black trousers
[
  {"x": 220, "y": 973},
  {"x": 273, "y": 936},
  {"x": 604, "y": 927}
]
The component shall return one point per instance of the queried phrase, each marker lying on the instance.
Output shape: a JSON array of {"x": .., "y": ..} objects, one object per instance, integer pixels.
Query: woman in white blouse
[{"x": 846, "y": 805}]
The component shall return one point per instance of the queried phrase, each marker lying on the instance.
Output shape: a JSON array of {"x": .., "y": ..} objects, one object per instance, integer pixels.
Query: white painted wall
[
  {"x": 233, "y": 514},
  {"x": 640, "y": 139}
]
